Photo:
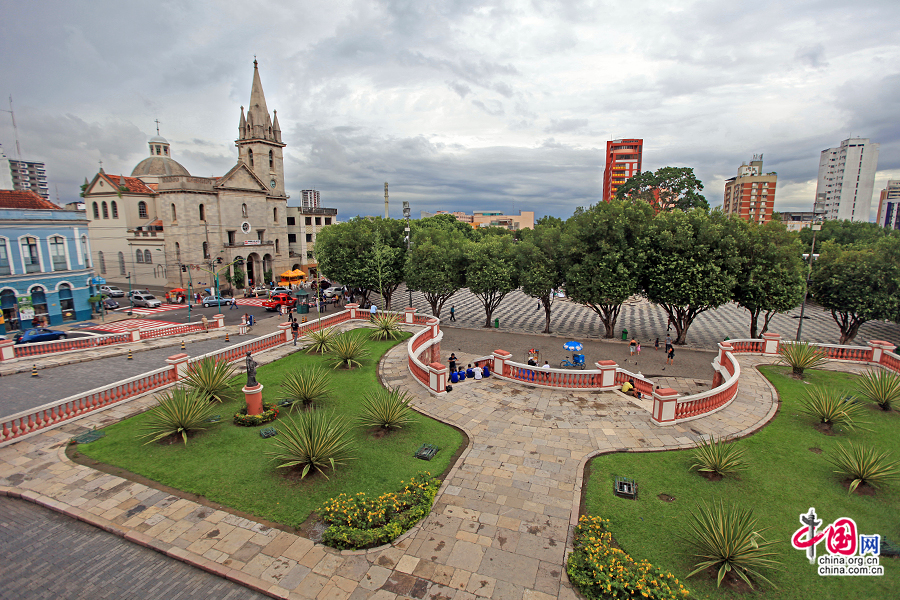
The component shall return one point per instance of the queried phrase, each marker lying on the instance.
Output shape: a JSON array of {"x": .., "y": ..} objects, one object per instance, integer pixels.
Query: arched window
[
  {"x": 30, "y": 255},
  {"x": 275, "y": 215},
  {"x": 271, "y": 156},
  {"x": 139, "y": 256},
  {"x": 66, "y": 303},
  {"x": 148, "y": 258},
  {"x": 96, "y": 211},
  {"x": 102, "y": 263},
  {"x": 277, "y": 246},
  {"x": 5, "y": 265},
  {"x": 122, "y": 264},
  {"x": 205, "y": 250},
  {"x": 244, "y": 210},
  {"x": 115, "y": 210},
  {"x": 105, "y": 210},
  {"x": 174, "y": 215},
  {"x": 250, "y": 156},
  {"x": 58, "y": 253},
  {"x": 202, "y": 213},
  {"x": 85, "y": 251},
  {"x": 177, "y": 252},
  {"x": 142, "y": 209}
]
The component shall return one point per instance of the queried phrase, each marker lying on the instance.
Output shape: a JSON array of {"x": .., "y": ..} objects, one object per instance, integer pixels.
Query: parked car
[
  {"x": 145, "y": 300},
  {"x": 280, "y": 290},
  {"x": 279, "y": 300},
  {"x": 215, "y": 301},
  {"x": 132, "y": 293},
  {"x": 260, "y": 292},
  {"x": 334, "y": 291},
  {"x": 39, "y": 334},
  {"x": 110, "y": 304},
  {"x": 111, "y": 291}
]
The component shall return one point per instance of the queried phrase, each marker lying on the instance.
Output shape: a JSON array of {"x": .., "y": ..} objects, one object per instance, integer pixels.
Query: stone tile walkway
[{"x": 500, "y": 526}]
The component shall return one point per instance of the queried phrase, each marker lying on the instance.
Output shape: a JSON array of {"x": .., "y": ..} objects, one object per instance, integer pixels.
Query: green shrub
[
  {"x": 388, "y": 409},
  {"x": 719, "y": 457},
  {"x": 800, "y": 356},
  {"x": 347, "y": 350},
  {"x": 321, "y": 340},
  {"x": 601, "y": 570},
  {"x": 269, "y": 413},
  {"x": 313, "y": 440},
  {"x": 179, "y": 412},
  {"x": 864, "y": 464},
  {"x": 356, "y": 522},
  {"x": 211, "y": 378},
  {"x": 387, "y": 326},
  {"x": 305, "y": 386},
  {"x": 880, "y": 386},
  {"x": 729, "y": 540},
  {"x": 830, "y": 407}
]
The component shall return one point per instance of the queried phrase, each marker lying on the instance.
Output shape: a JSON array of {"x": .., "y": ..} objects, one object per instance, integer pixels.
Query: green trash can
[
  {"x": 624, "y": 334},
  {"x": 496, "y": 323}
]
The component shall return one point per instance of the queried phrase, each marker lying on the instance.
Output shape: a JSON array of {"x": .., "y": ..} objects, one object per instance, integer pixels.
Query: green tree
[
  {"x": 541, "y": 268},
  {"x": 858, "y": 284},
  {"x": 491, "y": 272},
  {"x": 691, "y": 264},
  {"x": 436, "y": 265},
  {"x": 845, "y": 233},
  {"x": 446, "y": 222},
  {"x": 772, "y": 280},
  {"x": 666, "y": 189},
  {"x": 603, "y": 251}
]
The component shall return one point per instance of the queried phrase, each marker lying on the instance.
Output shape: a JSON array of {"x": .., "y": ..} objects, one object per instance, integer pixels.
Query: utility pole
[
  {"x": 812, "y": 253},
  {"x": 385, "y": 199}
]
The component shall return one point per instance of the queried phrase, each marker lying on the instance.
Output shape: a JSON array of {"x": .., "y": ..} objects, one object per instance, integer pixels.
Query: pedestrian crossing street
[{"x": 120, "y": 326}]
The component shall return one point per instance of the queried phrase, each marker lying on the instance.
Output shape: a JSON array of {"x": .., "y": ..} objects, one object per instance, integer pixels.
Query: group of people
[
  {"x": 634, "y": 348},
  {"x": 460, "y": 374}
]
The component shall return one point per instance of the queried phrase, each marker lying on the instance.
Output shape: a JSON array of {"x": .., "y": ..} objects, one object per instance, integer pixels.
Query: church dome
[
  {"x": 159, "y": 165},
  {"x": 158, "y": 138}
]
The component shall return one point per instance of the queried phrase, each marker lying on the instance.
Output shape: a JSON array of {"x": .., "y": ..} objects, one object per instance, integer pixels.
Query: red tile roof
[
  {"x": 132, "y": 184},
  {"x": 25, "y": 199}
]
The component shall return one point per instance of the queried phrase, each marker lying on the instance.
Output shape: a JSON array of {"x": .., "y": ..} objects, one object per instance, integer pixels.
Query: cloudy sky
[{"x": 459, "y": 105}]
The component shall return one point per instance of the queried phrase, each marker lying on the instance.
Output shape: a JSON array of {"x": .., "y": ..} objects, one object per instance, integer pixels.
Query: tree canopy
[
  {"x": 437, "y": 264},
  {"x": 541, "y": 269},
  {"x": 492, "y": 271},
  {"x": 667, "y": 189}
]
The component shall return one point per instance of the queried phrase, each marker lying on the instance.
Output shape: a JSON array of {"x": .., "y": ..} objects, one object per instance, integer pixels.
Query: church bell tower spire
[{"x": 259, "y": 139}]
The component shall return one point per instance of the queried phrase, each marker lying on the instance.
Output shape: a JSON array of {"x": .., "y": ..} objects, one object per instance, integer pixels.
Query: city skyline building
[
  {"x": 623, "y": 160},
  {"x": 846, "y": 180},
  {"x": 310, "y": 199},
  {"x": 751, "y": 194},
  {"x": 29, "y": 175},
  {"x": 5, "y": 175},
  {"x": 889, "y": 205}
]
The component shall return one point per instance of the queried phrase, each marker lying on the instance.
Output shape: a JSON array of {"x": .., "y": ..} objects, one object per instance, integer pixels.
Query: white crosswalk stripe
[{"x": 119, "y": 326}]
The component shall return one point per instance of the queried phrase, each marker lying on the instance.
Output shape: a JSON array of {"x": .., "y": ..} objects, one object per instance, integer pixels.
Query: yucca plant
[
  {"x": 305, "y": 386},
  {"x": 347, "y": 350},
  {"x": 800, "y": 356},
  {"x": 719, "y": 457},
  {"x": 830, "y": 407},
  {"x": 211, "y": 378},
  {"x": 387, "y": 326},
  {"x": 729, "y": 540},
  {"x": 314, "y": 440},
  {"x": 880, "y": 386},
  {"x": 179, "y": 412},
  {"x": 321, "y": 340},
  {"x": 388, "y": 409},
  {"x": 864, "y": 464}
]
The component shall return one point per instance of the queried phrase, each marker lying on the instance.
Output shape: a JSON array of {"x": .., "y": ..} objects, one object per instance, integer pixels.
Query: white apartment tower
[
  {"x": 309, "y": 199},
  {"x": 889, "y": 206},
  {"x": 846, "y": 181}
]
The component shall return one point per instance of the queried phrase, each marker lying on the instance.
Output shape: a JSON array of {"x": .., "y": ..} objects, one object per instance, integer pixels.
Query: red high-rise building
[{"x": 623, "y": 160}]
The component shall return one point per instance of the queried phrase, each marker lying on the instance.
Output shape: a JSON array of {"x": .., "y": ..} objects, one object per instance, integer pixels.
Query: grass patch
[
  {"x": 228, "y": 464},
  {"x": 783, "y": 478}
]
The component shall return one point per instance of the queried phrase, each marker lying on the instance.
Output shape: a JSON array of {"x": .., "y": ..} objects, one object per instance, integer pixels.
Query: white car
[
  {"x": 112, "y": 291},
  {"x": 145, "y": 300},
  {"x": 281, "y": 290},
  {"x": 332, "y": 292}
]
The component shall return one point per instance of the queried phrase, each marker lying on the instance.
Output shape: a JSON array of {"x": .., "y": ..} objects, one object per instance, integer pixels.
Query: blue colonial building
[{"x": 45, "y": 256}]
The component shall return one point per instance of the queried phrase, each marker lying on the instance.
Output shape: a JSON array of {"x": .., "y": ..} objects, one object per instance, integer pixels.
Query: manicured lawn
[
  {"x": 227, "y": 463},
  {"x": 784, "y": 479}
]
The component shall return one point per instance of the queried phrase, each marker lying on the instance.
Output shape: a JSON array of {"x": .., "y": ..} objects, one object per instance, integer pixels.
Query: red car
[{"x": 278, "y": 300}]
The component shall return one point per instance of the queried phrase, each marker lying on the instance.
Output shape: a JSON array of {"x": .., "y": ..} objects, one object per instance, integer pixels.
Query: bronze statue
[{"x": 251, "y": 372}]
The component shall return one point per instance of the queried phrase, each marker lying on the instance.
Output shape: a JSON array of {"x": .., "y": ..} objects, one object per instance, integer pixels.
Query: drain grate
[
  {"x": 89, "y": 436},
  {"x": 214, "y": 419},
  {"x": 426, "y": 451},
  {"x": 268, "y": 432}
]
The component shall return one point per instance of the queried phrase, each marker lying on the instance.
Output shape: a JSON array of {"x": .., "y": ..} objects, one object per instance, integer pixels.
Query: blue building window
[
  {"x": 30, "y": 255},
  {"x": 4, "y": 259}
]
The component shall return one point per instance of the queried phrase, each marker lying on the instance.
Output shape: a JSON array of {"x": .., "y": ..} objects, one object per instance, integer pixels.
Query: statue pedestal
[{"x": 254, "y": 399}]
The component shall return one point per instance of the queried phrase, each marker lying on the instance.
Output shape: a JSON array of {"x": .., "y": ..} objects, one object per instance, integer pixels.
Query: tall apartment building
[
  {"x": 889, "y": 206},
  {"x": 5, "y": 179},
  {"x": 29, "y": 175},
  {"x": 623, "y": 160},
  {"x": 751, "y": 194},
  {"x": 309, "y": 199},
  {"x": 846, "y": 180}
]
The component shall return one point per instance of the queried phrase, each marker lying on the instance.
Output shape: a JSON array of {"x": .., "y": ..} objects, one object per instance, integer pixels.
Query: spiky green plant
[
  {"x": 321, "y": 340},
  {"x": 179, "y": 412},
  {"x": 305, "y": 386},
  {"x": 831, "y": 407},
  {"x": 719, "y": 457},
  {"x": 211, "y": 378},
  {"x": 347, "y": 350},
  {"x": 729, "y": 540},
  {"x": 388, "y": 409},
  {"x": 314, "y": 440},
  {"x": 864, "y": 464},
  {"x": 800, "y": 356},
  {"x": 387, "y": 326},
  {"x": 880, "y": 386}
]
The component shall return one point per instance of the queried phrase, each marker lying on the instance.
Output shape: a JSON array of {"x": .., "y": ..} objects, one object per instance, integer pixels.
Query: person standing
[
  {"x": 656, "y": 345},
  {"x": 452, "y": 312},
  {"x": 373, "y": 310},
  {"x": 668, "y": 342},
  {"x": 452, "y": 360},
  {"x": 638, "y": 348},
  {"x": 670, "y": 358},
  {"x": 205, "y": 322},
  {"x": 295, "y": 329},
  {"x": 632, "y": 347}
]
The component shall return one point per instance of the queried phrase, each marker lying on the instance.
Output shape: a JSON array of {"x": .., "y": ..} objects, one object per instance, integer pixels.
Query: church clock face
[{"x": 273, "y": 183}]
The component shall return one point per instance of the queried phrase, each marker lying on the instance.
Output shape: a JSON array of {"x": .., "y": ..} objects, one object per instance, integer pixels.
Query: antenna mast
[
  {"x": 15, "y": 129},
  {"x": 385, "y": 199}
]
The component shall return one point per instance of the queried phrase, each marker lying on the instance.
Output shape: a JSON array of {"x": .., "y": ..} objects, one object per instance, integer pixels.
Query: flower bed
[
  {"x": 599, "y": 570},
  {"x": 356, "y": 522},
  {"x": 269, "y": 413}
]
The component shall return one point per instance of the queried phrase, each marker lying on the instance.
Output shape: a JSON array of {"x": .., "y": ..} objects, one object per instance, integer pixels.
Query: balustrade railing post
[
  {"x": 134, "y": 332},
  {"x": 179, "y": 365},
  {"x": 500, "y": 359},
  {"x": 7, "y": 350},
  {"x": 607, "y": 370},
  {"x": 879, "y": 347},
  {"x": 437, "y": 378},
  {"x": 665, "y": 401},
  {"x": 771, "y": 343},
  {"x": 352, "y": 308}
]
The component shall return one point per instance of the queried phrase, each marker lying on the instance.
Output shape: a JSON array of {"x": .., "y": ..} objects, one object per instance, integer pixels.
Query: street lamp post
[
  {"x": 815, "y": 228},
  {"x": 406, "y": 213}
]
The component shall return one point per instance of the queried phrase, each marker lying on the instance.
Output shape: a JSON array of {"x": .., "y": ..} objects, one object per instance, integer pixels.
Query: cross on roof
[{"x": 157, "y": 126}]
